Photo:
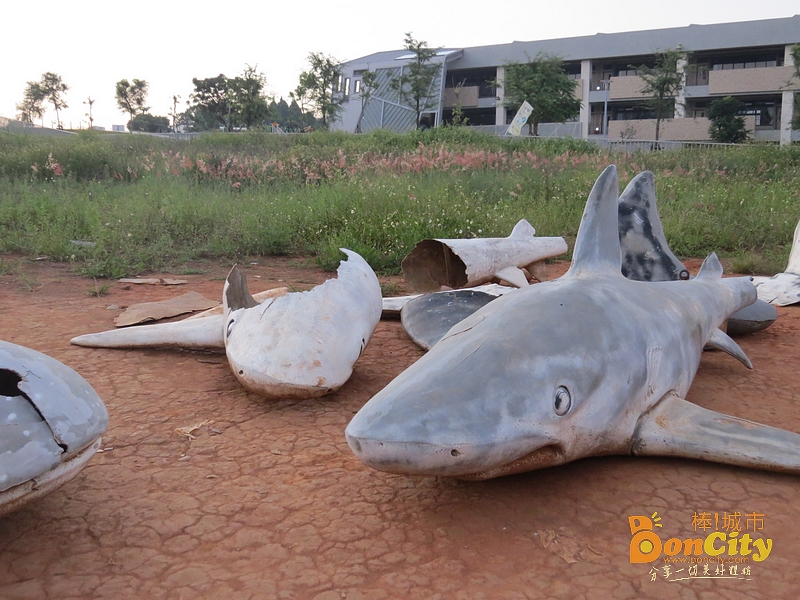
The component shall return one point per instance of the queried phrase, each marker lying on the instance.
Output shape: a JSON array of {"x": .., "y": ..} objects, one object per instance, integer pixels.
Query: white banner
[{"x": 520, "y": 119}]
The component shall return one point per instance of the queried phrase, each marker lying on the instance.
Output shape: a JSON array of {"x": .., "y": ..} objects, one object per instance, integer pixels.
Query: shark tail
[{"x": 676, "y": 427}]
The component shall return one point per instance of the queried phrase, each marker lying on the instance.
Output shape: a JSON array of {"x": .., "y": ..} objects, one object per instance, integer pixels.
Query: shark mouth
[{"x": 546, "y": 456}]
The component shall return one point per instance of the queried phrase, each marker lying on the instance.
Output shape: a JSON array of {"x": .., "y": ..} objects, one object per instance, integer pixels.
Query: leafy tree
[
  {"x": 319, "y": 87},
  {"x": 149, "y": 123},
  {"x": 90, "y": 102},
  {"x": 662, "y": 83},
  {"x": 49, "y": 88},
  {"x": 230, "y": 102},
  {"x": 175, "y": 115},
  {"x": 415, "y": 85},
  {"x": 31, "y": 106},
  {"x": 369, "y": 85},
  {"x": 247, "y": 98},
  {"x": 288, "y": 116},
  {"x": 53, "y": 88},
  {"x": 545, "y": 85},
  {"x": 132, "y": 96},
  {"x": 795, "y": 52},
  {"x": 727, "y": 125},
  {"x": 211, "y": 103}
]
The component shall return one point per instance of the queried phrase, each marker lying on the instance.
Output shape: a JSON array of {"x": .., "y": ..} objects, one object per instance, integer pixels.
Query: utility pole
[{"x": 606, "y": 85}]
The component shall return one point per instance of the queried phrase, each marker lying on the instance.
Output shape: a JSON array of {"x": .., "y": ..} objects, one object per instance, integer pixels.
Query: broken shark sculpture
[
  {"x": 203, "y": 330},
  {"x": 646, "y": 256},
  {"x": 51, "y": 421},
  {"x": 470, "y": 262},
  {"x": 279, "y": 344},
  {"x": 783, "y": 289},
  {"x": 301, "y": 345},
  {"x": 589, "y": 364}
]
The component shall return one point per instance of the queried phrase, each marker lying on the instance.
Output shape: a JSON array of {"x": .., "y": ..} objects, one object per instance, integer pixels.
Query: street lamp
[{"x": 606, "y": 84}]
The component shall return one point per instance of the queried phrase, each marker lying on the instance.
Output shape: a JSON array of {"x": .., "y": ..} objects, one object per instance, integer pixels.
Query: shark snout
[{"x": 460, "y": 458}]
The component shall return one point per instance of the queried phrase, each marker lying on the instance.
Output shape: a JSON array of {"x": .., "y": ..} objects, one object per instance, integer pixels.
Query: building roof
[{"x": 693, "y": 38}]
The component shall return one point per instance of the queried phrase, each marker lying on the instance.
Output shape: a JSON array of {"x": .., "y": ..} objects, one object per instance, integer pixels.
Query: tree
[
  {"x": 175, "y": 115},
  {"x": 662, "y": 83},
  {"x": 247, "y": 98},
  {"x": 90, "y": 102},
  {"x": 132, "y": 96},
  {"x": 369, "y": 85},
  {"x": 415, "y": 84},
  {"x": 230, "y": 102},
  {"x": 31, "y": 106},
  {"x": 319, "y": 86},
  {"x": 544, "y": 84},
  {"x": 795, "y": 52},
  {"x": 149, "y": 123},
  {"x": 211, "y": 105},
  {"x": 727, "y": 125},
  {"x": 53, "y": 88}
]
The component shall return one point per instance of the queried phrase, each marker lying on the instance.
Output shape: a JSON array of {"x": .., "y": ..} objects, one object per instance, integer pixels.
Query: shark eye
[
  {"x": 684, "y": 275},
  {"x": 230, "y": 328},
  {"x": 563, "y": 401}
]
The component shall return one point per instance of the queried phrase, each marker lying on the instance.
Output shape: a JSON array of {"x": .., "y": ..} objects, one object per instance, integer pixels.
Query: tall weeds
[{"x": 147, "y": 203}]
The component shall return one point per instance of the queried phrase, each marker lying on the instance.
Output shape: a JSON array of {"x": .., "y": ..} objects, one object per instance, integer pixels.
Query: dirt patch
[{"x": 264, "y": 499}]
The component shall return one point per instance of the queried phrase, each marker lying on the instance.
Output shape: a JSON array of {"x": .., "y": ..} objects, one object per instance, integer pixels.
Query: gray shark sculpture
[
  {"x": 51, "y": 421},
  {"x": 646, "y": 256},
  {"x": 589, "y": 364}
]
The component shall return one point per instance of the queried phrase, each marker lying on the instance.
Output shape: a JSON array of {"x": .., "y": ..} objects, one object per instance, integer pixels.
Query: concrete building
[{"x": 749, "y": 60}]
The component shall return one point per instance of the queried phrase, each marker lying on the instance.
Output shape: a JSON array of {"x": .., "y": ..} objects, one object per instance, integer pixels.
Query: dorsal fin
[
  {"x": 597, "y": 249},
  {"x": 523, "y": 229},
  {"x": 236, "y": 295},
  {"x": 711, "y": 268}
]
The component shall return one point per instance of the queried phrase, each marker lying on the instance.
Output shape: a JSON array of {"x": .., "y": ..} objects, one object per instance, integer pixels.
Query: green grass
[{"x": 152, "y": 204}]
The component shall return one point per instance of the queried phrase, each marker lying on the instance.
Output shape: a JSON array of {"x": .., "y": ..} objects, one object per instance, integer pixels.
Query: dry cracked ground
[{"x": 268, "y": 501}]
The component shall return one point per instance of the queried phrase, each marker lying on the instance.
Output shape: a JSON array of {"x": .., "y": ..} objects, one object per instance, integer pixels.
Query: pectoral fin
[
  {"x": 189, "y": 333},
  {"x": 721, "y": 341},
  {"x": 675, "y": 427},
  {"x": 514, "y": 276}
]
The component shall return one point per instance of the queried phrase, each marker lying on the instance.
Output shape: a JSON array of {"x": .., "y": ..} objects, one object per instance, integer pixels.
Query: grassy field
[{"x": 138, "y": 203}]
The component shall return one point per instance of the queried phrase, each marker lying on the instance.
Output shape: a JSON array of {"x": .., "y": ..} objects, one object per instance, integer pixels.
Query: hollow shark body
[
  {"x": 278, "y": 344},
  {"x": 589, "y": 364},
  {"x": 783, "y": 289},
  {"x": 458, "y": 263},
  {"x": 301, "y": 345}
]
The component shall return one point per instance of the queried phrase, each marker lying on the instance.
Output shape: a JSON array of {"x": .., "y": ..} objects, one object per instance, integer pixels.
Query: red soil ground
[{"x": 269, "y": 502}]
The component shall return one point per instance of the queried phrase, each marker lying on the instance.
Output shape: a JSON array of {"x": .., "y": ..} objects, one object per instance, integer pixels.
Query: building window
[
  {"x": 357, "y": 86},
  {"x": 346, "y": 86},
  {"x": 483, "y": 79}
]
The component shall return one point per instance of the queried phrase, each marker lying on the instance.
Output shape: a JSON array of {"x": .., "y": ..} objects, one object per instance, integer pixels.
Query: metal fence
[{"x": 631, "y": 146}]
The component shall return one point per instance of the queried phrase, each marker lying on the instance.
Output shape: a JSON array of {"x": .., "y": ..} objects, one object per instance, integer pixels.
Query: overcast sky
[{"x": 94, "y": 44}]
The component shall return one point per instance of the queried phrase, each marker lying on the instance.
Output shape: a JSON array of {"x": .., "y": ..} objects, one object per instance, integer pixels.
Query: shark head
[
  {"x": 552, "y": 372},
  {"x": 478, "y": 406}
]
